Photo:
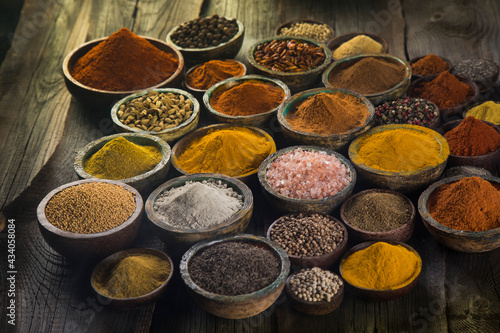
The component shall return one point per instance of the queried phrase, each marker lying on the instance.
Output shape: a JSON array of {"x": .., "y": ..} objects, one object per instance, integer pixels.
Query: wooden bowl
[
  {"x": 258, "y": 120},
  {"x": 400, "y": 234},
  {"x": 313, "y": 308},
  {"x": 332, "y": 141},
  {"x": 240, "y": 306},
  {"x": 171, "y": 134},
  {"x": 293, "y": 205},
  {"x": 379, "y": 294},
  {"x": 226, "y": 50},
  {"x": 334, "y": 43},
  {"x": 76, "y": 246},
  {"x": 105, "y": 98},
  {"x": 288, "y": 24},
  {"x": 324, "y": 261},
  {"x": 183, "y": 143},
  {"x": 403, "y": 181},
  {"x": 130, "y": 302},
  {"x": 378, "y": 97},
  {"x": 485, "y": 84},
  {"x": 458, "y": 240},
  {"x": 296, "y": 81},
  {"x": 435, "y": 124},
  {"x": 143, "y": 183},
  {"x": 416, "y": 76},
  {"x": 185, "y": 237}
]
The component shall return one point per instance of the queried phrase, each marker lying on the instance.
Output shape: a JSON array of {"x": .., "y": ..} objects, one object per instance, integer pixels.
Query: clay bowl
[
  {"x": 185, "y": 237},
  {"x": 418, "y": 76},
  {"x": 313, "y": 308},
  {"x": 105, "y": 98},
  {"x": 288, "y": 24},
  {"x": 379, "y": 294},
  {"x": 296, "y": 81},
  {"x": 183, "y": 143},
  {"x": 378, "y": 97},
  {"x": 226, "y": 50},
  {"x": 486, "y": 83},
  {"x": 447, "y": 114},
  {"x": 403, "y": 181},
  {"x": 324, "y": 261},
  {"x": 143, "y": 183},
  {"x": 400, "y": 234},
  {"x": 258, "y": 120},
  {"x": 334, "y": 43},
  {"x": 171, "y": 134},
  {"x": 77, "y": 247},
  {"x": 131, "y": 302},
  {"x": 240, "y": 306},
  {"x": 458, "y": 240},
  {"x": 332, "y": 141},
  {"x": 293, "y": 205}
]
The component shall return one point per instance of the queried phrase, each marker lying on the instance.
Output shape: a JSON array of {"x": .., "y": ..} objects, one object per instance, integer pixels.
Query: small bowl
[
  {"x": 76, "y": 246},
  {"x": 334, "y": 43},
  {"x": 182, "y": 144},
  {"x": 171, "y": 134},
  {"x": 418, "y": 76},
  {"x": 313, "y": 308},
  {"x": 293, "y": 205},
  {"x": 290, "y": 23},
  {"x": 130, "y": 302},
  {"x": 378, "y": 294},
  {"x": 296, "y": 81},
  {"x": 143, "y": 183},
  {"x": 458, "y": 240},
  {"x": 105, "y": 98},
  {"x": 226, "y": 50},
  {"x": 240, "y": 306},
  {"x": 258, "y": 120},
  {"x": 400, "y": 234},
  {"x": 186, "y": 237},
  {"x": 332, "y": 141},
  {"x": 378, "y": 97},
  {"x": 485, "y": 84},
  {"x": 324, "y": 261},
  {"x": 436, "y": 122},
  {"x": 404, "y": 181}
]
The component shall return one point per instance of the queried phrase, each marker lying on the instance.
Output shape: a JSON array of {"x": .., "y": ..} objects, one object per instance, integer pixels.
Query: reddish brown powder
[
  {"x": 429, "y": 65},
  {"x": 445, "y": 91},
  {"x": 472, "y": 138}
]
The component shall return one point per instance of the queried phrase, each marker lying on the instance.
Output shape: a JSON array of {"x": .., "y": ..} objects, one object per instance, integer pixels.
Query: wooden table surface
[{"x": 41, "y": 127}]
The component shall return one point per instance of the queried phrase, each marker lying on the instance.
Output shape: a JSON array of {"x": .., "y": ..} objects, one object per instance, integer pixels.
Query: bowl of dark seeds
[{"x": 482, "y": 71}]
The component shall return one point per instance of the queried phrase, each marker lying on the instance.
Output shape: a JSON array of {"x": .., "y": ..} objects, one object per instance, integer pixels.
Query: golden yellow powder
[
  {"x": 488, "y": 111},
  {"x": 357, "y": 45}
]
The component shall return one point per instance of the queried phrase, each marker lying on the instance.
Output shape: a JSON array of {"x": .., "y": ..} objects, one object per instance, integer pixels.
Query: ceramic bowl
[
  {"x": 185, "y": 237},
  {"x": 185, "y": 142},
  {"x": 403, "y": 181},
  {"x": 324, "y": 261},
  {"x": 288, "y": 24},
  {"x": 378, "y": 97},
  {"x": 240, "y": 306},
  {"x": 143, "y": 183},
  {"x": 171, "y": 134},
  {"x": 258, "y": 120},
  {"x": 458, "y": 240},
  {"x": 434, "y": 124},
  {"x": 334, "y": 43},
  {"x": 400, "y": 234},
  {"x": 226, "y": 50},
  {"x": 293, "y": 205},
  {"x": 332, "y": 141},
  {"x": 77, "y": 247},
  {"x": 379, "y": 294},
  {"x": 130, "y": 302},
  {"x": 105, "y": 98},
  {"x": 485, "y": 84},
  {"x": 296, "y": 81},
  {"x": 418, "y": 76}
]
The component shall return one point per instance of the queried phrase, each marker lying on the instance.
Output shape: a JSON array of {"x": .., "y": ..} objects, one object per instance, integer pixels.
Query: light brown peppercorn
[{"x": 315, "y": 284}]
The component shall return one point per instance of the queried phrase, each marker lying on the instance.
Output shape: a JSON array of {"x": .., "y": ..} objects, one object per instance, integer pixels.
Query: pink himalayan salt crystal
[{"x": 305, "y": 174}]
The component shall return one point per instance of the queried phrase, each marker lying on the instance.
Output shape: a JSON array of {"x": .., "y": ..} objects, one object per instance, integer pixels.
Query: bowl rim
[
  {"x": 91, "y": 44},
  {"x": 435, "y": 122},
  {"x": 272, "y": 246},
  {"x": 207, "y": 96},
  {"x": 305, "y": 20},
  {"x": 44, "y": 222},
  {"x": 340, "y": 39},
  {"x": 95, "y": 145},
  {"x": 199, "y": 177},
  {"x": 196, "y": 90},
  {"x": 356, "y": 160},
  {"x": 415, "y": 59},
  {"x": 338, "y": 295}
]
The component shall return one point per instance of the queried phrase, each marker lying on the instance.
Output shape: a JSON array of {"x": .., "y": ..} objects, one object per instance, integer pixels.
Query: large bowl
[
  {"x": 105, "y": 98},
  {"x": 332, "y": 141},
  {"x": 334, "y": 43},
  {"x": 240, "y": 306},
  {"x": 288, "y": 24},
  {"x": 459, "y": 240}
]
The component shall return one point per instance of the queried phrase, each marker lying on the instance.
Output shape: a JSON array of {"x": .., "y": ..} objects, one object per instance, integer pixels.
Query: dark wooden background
[{"x": 41, "y": 127}]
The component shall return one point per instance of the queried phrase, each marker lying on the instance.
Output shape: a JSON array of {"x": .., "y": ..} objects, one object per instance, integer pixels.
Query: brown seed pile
[
  {"x": 307, "y": 234},
  {"x": 289, "y": 55},
  {"x": 315, "y": 284},
  {"x": 156, "y": 111},
  {"x": 315, "y": 31},
  {"x": 90, "y": 208}
]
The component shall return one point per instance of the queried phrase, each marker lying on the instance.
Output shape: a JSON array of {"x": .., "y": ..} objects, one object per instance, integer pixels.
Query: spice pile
[
  {"x": 414, "y": 111},
  {"x": 429, "y": 65},
  {"x": 315, "y": 284},
  {"x": 480, "y": 70},
  {"x": 357, "y": 45},
  {"x": 318, "y": 32},
  {"x": 488, "y": 111},
  {"x": 445, "y": 91},
  {"x": 472, "y": 138},
  {"x": 211, "y": 72}
]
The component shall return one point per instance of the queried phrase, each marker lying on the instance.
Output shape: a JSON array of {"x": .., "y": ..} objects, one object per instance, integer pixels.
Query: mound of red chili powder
[{"x": 472, "y": 138}]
